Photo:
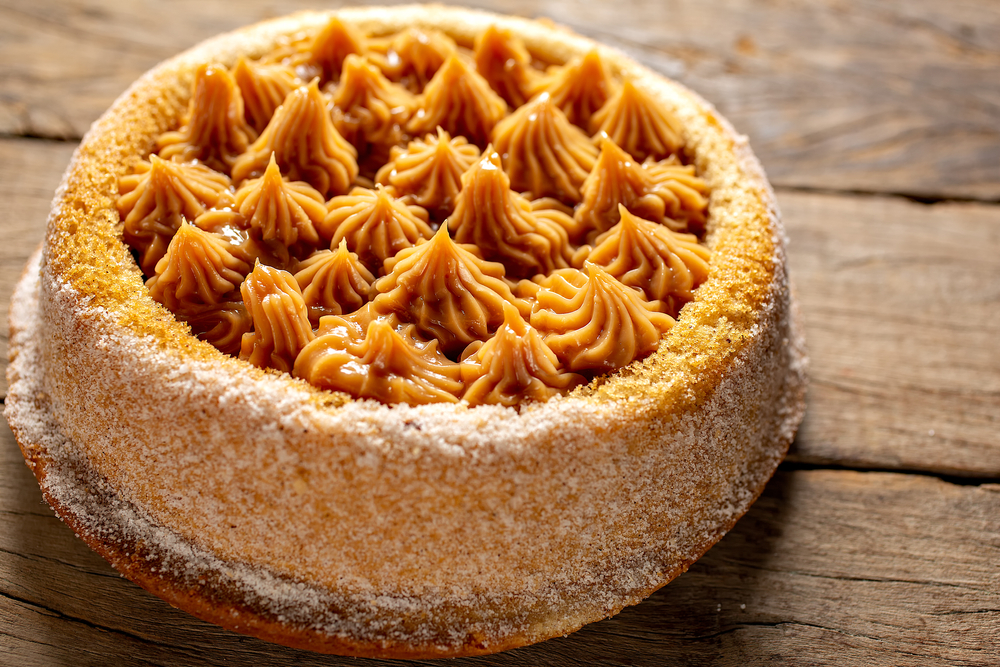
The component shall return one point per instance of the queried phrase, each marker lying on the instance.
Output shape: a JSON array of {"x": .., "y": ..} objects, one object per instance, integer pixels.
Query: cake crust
[{"x": 273, "y": 508}]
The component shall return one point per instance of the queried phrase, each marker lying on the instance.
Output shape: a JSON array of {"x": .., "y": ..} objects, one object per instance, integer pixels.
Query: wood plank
[
  {"x": 829, "y": 567},
  {"x": 30, "y": 170},
  {"x": 837, "y": 94},
  {"x": 899, "y": 302}
]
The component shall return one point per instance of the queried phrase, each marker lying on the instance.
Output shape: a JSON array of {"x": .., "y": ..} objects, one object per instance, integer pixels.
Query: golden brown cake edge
[{"x": 756, "y": 320}]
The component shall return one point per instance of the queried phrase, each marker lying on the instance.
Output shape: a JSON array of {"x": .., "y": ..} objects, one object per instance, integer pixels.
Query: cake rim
[{"x": 675, "y": 399}]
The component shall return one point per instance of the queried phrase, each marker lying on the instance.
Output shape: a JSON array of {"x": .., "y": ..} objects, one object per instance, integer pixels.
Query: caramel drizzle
[
  {"x": 460, "y": 101},
  {"x": 375, "y": 224},
  {"x": 580, "y": 87},
  {"x": 302, "y": 138},
  {"x": 333, "y": 282},
  {"x": 637, "y": 123},
  {"x": 447, "y": 290},
  {"x": 412, "y": 56},
  {"x": 280, "y": 319},
  {"x": 263, "y": 88},
  {"x": 383, "y": 363},
  {"x": 665, "y": 265},
  {"x": 593, "y": 322},
  {"x": 513, "y": 366},
  {"x": 199, "y": 268},
  {"x": 366, "y": 102},
  {"x": 543, "y": 152},
  {"x": 428, "y": 172},
  {"x": 221, "y": 325},
  {"x": 667, "y": 193},
  {"x": 501, "y": 224},
  {"x": 215, "y": 131},
  {"x": 157, "y": 198},
  {"x": 505, "y": 63}
]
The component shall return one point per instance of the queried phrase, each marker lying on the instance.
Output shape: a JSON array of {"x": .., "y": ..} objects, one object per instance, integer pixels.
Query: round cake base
[{"x": 276, "y": 509}]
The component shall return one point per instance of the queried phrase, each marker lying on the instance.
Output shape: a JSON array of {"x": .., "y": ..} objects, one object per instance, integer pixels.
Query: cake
[{"x": 286, "y": 425}]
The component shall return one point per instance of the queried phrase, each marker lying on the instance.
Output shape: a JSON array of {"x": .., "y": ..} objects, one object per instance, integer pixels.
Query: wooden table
[{"x": 878, "y": 541}]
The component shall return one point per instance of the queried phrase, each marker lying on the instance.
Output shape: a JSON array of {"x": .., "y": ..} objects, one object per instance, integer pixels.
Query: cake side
[
  {"x": 494, "y": 527},
  {"x": 706, "y": 493}
]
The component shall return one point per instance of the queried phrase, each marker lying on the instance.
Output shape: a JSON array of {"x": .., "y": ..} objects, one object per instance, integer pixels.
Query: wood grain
[
  {"x": 835, "y": 94},
  {"x": 900, "y": 303},
  {"x": 822, "y": 566},
  {"x": 30, "y": 170}
]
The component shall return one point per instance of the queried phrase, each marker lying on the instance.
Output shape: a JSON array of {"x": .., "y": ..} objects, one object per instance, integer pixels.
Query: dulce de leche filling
[{"x": 402, "y": 218}]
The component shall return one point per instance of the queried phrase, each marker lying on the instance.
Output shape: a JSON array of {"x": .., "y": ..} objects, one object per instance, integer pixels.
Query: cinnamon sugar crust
[{"x": 277, "y": 509}]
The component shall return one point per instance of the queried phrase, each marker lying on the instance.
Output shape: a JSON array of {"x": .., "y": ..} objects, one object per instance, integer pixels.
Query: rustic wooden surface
[{"x": 877, "y": 543}]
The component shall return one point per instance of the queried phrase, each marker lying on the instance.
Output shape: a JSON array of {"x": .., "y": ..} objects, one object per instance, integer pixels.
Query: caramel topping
[
  {"x": 428, "y": 172},
  {"x": 683, "y": 194},
  {"x": 668, "y": 192},
  {"x": 281, "y": 210},
  {"x": 519, "y": 212},
  {"x": 505, "y": 64},
  {"x": 513, "y": 366},
  {"x": 367, "y": 102},
  {"x": 231, "y": 226},
  {"x": 447, "y": 290},
  {"x": 460, "y": 101},
  {"x": 638, "y": 124},
  {"x": 158, "y": 197},
  {"x": 375, "y": 224},
  {"x": 413, "y": 56},
  {"x": 221, "y": 325},
  {"x": 215, "y": 131},
  {"x": 333, "y": 282},
  {"x": 593, "y": 322},
  {"x": 389, "y": 365},
  {"x": 580, "y": 88},
  {"x": 306, "y": 145},
  {"x": 199, "y": 268},
  {"x": 332, "y": 45},
  {"x": 543, "y": 152},
  {"x": 280, "y": 319},
  {"x": 665, "y": 265},
  {"x": 501, "y": 224},
  {"x": 263, "y": 88}
]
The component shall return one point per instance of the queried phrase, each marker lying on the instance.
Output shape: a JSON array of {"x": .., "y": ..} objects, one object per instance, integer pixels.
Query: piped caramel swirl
[
  {"x": 378, "y": 158},
  {"x": 514, "y": 365},
  {"x": 303, "y": 140},
  {"x": 280, "y": 319},
  {"x": 158, "y": 197},
  {"x": 376, "y": 225},
  {"x": 500, "y": 222},
  {"x": 447, "y": 290},
  {"x": 333, "y": 282},
  {"x": 429, "y": 171},
  {"x": 199, "y": 268},
  {"x": 593, "y": 322},
  {"x": 215, "y": 131},
  {"x": 543, "y": 153},
  {"x": 380, "y": 362},
  {"x": 459, "y": 100}
]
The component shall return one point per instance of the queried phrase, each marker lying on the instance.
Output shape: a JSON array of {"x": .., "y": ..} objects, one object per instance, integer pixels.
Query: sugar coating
[{"x": 352, "y": 526}]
